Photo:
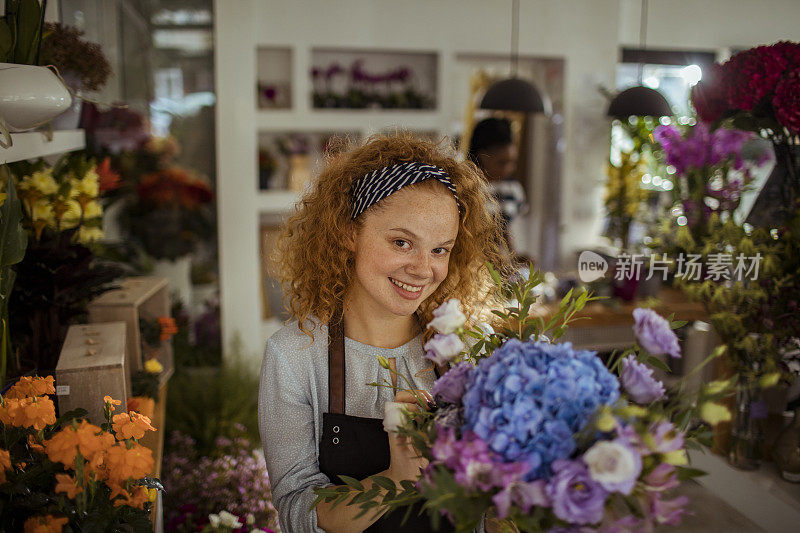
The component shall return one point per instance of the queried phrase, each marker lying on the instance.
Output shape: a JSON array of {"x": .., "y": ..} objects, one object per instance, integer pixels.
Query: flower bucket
[
  {"x": 30, "y": 96},
  {"x": 178, "y": 274}
]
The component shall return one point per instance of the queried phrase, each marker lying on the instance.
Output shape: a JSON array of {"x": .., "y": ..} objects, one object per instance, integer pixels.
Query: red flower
[
  {"x": 753, "y": 74},
  {"x": 786, "y": 102},
  {"x": 109, "y": 179},
  {"x": 710, "y": 95}
]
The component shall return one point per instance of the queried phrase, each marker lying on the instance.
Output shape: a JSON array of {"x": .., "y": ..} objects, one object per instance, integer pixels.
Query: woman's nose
[{"x": 420, "y": 266}]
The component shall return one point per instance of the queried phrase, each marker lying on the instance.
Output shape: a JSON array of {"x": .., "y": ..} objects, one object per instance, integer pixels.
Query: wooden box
[
  {"x": 138, "y": 297},
  {"x": 92, "y": 365}
]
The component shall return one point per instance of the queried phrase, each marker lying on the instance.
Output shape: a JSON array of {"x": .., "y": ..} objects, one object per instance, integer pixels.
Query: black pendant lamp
[
  {"x": 514, "y": 94},
  {"x": 639, "y": 101}
]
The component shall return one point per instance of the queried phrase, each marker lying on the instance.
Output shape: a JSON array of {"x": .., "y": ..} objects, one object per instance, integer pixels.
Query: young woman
[{"x": 390, "y": 230}]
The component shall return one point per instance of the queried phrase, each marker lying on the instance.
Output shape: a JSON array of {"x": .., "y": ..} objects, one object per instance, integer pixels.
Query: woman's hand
[{"x": 405, "y": 462}]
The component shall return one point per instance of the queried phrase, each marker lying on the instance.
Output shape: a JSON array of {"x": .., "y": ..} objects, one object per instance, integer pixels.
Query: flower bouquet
[
  {"x": 69, "y": 472},
  {"x": 543, "y": 436}
]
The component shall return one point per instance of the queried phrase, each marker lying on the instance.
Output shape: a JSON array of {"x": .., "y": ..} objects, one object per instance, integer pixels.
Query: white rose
[
  {"x": 448, "y": 317},
  {"x": 613, "y": 465},
  {"x": 214, "y": 520},
  {"x": 229, "y": 520},
  {"x": 393, "y": 416}
]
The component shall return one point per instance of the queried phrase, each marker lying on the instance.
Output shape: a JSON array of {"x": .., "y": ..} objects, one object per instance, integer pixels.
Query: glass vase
[
  {"x": 786, "y": 450},
  {"x": 746, "y": 436}
]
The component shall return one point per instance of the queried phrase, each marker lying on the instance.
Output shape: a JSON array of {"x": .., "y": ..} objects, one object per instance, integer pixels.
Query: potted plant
[{"x": 81, "y": 63}]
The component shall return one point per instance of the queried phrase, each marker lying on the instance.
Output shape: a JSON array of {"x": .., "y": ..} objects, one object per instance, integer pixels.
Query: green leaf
[
  {"x": 352, "y": 482},
  {"x": 657, "y": 363},
  {"x": 13, "y": 238},
  {"x": 30, "y": 18},
  {"x": 6, "y": 42},
  {"x": 685, "y": 472},
  {"x": 384, "y": 482}
]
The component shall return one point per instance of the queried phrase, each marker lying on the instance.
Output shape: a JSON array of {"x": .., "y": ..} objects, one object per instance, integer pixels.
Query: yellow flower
[
  {"x": 92, "y": 210},
  {"x": 769, "y": 380},
  {"x": 606, "y": 422},
  {"x": 43, "y": 210},
  {"x": 153, "y": 366},
  {"x": 714, "y": 413},
  {"x": 87, "y": 235},
  {"x": 2, "y": 198},
  {"x": 152, "y": 494},
  {"x": 676, "y": 458},
  {"x": 71, "y": 213},
  {"x": 41, "y": 181},
  {"x": 88, "y": 185}
]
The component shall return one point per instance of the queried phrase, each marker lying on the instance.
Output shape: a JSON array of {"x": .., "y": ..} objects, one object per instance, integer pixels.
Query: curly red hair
[{"x": 316, "y": 266}]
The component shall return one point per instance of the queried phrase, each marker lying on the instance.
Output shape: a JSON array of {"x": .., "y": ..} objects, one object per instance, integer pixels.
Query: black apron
[{"x": 359, "y": 447}]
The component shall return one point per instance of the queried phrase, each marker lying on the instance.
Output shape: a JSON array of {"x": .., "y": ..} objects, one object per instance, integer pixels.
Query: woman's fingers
[{"x": 408, "y": 397}]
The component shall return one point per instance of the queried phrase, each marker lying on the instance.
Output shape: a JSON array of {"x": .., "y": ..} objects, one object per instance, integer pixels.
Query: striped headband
[{"x": 380, "y": 183}]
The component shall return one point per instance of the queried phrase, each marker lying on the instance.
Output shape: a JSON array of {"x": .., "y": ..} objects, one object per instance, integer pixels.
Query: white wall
[{"x": 587, "y": 34}]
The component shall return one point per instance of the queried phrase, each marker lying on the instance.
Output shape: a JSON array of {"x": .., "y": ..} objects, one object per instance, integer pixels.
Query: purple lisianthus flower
[
  {"x": 638, "y": 380},
  {"x": 522, "y": 494},
  {"x": 662, "y": 478},
  {"x": 654, "y": 334},
  {"x": 668, "y": 512},
  {"x": 665, "y": 437},
  {"x": 450, "y": 416},
  {"x": 575, "y": 496},
  {"x": 451, "y": 386},
  {"x": 627, "y": 524},
  {"x": 442, "y": 348}
]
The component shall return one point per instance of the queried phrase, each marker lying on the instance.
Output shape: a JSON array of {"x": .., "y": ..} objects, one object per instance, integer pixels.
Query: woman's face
[{"x": 402, "y": 250}]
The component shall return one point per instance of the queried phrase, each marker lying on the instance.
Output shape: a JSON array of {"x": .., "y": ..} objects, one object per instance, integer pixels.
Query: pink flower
[{"x": 668, "y": 512}]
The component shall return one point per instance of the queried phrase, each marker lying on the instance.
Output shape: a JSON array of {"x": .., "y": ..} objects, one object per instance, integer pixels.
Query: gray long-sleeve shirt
[{"x": 293, "y": 395}]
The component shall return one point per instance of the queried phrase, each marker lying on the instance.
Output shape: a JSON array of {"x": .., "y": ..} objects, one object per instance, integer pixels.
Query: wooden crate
[
  {"x": 92, "y": 365},
  {"x": 139, "y": 296}
]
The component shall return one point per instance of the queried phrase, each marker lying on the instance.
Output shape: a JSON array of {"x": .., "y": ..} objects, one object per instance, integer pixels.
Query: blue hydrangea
[{"x": 528, "y": 400}]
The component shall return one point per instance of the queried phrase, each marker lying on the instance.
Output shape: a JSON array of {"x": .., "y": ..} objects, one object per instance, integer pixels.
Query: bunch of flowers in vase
[
  {"x": 759, "y": 90},
  {"x": 68, "y": 472},
  {"x": 60, "y": 274},
  {"x": 543, "y": 436}
]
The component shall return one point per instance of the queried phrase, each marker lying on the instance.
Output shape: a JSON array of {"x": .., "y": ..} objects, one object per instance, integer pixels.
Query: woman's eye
[
  {"x": 400, "y": 243},
  {"x": 441, "y": 251}
]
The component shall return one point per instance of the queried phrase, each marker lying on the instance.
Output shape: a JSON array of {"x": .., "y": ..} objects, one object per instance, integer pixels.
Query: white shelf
[
  {"x": 364, "y": 120},
  {"x": 32, "y": 145},
  {"x": 277, "y": 202},
  {"x": 761, "y": 495}
]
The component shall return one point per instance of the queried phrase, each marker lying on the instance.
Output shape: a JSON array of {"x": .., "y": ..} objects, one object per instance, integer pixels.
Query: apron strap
[{"x": 336, "y": 381}]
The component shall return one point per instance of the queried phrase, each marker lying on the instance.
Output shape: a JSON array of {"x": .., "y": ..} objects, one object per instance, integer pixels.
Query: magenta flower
[
  {"x": 637, "y": 379},
  {"x": 654, "y": 333},
  {"x": 575, "y": 496}
]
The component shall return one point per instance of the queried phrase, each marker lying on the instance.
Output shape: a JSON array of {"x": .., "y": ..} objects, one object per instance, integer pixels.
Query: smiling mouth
[{"x": 406, "y": 286}]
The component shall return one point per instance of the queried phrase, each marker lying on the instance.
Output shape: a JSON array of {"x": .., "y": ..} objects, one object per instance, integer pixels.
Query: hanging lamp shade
[
  {"x": 639, "y": 101},
  {"x": 513, "y": 94}
]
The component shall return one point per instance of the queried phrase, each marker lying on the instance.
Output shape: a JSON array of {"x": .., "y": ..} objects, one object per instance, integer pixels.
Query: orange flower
[
  {"x": 31, "y": 386},
  {"x": 45, "y": 524},
  {"x": 168, "y": 327},
  {"x": 131, "y": 425},
  {"x": 134, "y": 462},
  {"x": 111, "y": 402},
  {"x": 38, "y": 413},
  {"x": 5, "y": 464},
  {"x": 86, "y": 437},
  {"x": 68, "y": 485},
  {"x": 34, "y": 445},
  {"x": 11, "y": 412},
  {"x": 137, "y": 498}
]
